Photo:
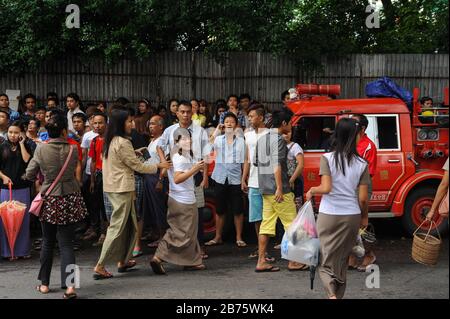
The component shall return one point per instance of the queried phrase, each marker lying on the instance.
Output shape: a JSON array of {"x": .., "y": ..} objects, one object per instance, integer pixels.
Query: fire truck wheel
[
  {"x": 417, "y": 206},
  {"x": 209, "y": 215}
]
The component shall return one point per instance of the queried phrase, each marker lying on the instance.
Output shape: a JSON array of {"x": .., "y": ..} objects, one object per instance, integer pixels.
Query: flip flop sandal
[
  {"x": 270, "y": 269},
  {"x": 303, "y": 267},
  {"x": 70, "y": 296},
  {"x": 253, "y": 255},
  {"x": 99, "y": 276},
  {"x": 268, "y": 258},
  {"x": 38, "y": 288},
  {"x": 157, "y": 267},
  {"x": 212, "y": 242},
  {"x": 241, "y": 244},
  {"x": 130, "y": 264}
]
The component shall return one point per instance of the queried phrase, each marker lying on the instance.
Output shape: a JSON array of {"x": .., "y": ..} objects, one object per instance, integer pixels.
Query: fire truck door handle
[
  {"x": 394, "y": 161},
  {"x": 410, "y": 157}
]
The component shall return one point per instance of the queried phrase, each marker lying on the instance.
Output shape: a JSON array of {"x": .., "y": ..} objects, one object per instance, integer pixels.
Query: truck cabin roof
[{"x": 347, "y": 106}]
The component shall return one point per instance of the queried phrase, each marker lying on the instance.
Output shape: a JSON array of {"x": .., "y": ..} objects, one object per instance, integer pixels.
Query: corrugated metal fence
[{"x": 186, "y": 74}]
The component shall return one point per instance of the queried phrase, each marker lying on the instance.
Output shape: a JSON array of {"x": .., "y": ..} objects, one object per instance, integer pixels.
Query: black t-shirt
[{"x": 13, "y": 165}]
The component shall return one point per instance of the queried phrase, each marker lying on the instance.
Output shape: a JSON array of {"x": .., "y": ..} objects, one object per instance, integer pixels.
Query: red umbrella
[{"x": 12, "y": 213}]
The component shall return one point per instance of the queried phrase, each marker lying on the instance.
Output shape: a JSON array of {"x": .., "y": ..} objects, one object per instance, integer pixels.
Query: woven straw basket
[{"x": 425, "y": 248}]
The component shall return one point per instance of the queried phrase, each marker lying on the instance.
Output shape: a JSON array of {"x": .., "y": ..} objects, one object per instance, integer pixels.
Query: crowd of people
[{"x": 122, "y": 173}]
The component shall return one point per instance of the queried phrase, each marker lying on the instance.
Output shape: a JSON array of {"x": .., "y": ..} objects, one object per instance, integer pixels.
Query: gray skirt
[
  {"x": 180, "y": 245},
  {"x": 337, "y": 234}
]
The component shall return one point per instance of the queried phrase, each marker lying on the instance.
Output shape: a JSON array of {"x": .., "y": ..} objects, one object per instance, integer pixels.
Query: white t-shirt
[
  {"x": 85, "y": 143},
  {"x": 343, "y": 198},
  {"x": 250, "y": 139},
  {"x": 184, "y": 192},
  {"x": 154, "y": 156},
  {"x": 294, "y": 150}
]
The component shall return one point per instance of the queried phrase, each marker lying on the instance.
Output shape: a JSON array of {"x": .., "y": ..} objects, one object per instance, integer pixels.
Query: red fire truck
[{"x": 411, "y": 148}]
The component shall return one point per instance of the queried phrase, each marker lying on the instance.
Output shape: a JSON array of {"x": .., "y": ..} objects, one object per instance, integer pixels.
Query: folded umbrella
[{"x": 12, "y": 214}]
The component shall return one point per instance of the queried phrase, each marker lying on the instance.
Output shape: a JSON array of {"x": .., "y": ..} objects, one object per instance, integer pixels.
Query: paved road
[{"x": 230, "y": 275}]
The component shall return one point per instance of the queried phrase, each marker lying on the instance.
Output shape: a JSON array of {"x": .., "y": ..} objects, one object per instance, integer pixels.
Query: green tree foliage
[
  {"x": 34, "y": 31},
  {"x": 419, "y": 26}
]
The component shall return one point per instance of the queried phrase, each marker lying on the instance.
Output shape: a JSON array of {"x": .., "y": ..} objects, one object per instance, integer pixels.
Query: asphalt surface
[{"x": 230, "y": 274}]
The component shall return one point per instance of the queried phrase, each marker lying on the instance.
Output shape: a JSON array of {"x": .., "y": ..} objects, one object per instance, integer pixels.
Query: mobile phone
[{"x": 146, "y": 154}]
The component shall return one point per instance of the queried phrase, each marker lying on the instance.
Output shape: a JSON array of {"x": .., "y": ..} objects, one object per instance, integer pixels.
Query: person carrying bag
[{"x": 38, "y": 201}]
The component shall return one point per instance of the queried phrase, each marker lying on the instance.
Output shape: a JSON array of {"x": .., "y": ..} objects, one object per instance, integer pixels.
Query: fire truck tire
[
  {"x": 417, "y": 206},
  {"x": 209, "y": 215}
]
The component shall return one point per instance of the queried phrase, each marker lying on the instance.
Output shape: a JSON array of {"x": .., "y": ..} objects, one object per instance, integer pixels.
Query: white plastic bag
[
  {"x": 300, "y": 242},
  {"x": 304, "y": 225},
  {"x": 305, "y": 252}
]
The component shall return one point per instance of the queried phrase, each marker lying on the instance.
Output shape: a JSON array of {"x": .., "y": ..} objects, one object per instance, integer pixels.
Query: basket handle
[{"x": 429, "y": 230}]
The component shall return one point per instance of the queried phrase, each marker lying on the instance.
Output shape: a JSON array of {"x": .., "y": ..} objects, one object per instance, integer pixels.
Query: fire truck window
[
  {"x": 313, "y": 133},
  {"x": 387, "y": 132}
]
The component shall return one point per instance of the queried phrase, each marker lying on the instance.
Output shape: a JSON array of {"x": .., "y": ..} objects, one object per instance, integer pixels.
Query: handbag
[
  {"x": 38, "y": 201},
  {"x": 443, "y": 206}
]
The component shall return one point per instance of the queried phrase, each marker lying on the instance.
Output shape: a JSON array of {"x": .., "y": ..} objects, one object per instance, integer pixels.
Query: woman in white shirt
[
  {"x": 180, "y": 245},
  {"x": 344, "y": 186}
]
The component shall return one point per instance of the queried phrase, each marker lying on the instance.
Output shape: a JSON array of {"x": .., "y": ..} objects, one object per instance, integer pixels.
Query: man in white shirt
[
  {"x": 73, "y": 104},
  {"x": 251, "y": 186}
]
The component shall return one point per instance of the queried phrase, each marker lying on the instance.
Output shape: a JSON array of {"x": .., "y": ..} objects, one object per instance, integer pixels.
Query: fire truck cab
[{"x": 411, "y": 151}]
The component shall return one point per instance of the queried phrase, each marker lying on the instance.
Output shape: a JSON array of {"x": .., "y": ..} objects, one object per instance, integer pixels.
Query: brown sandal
[
  {"x": 269, "y": 269},
  {"x": 38, "y": 288},
  {"x": 130, "y": 264},
  {"x": 157, "y": 266},
  {"x": 102, "y": 275},
  {"x": 301, "y": 268}
]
